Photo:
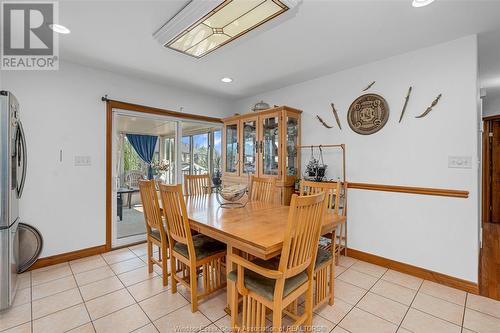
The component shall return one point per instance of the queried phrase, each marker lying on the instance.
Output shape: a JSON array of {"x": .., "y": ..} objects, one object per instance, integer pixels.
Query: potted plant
[{"x": 216, "y": 177}]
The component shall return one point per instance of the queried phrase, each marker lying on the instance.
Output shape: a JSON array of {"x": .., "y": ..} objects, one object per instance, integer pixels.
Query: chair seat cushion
[
  {"x": 204, "y": 247},
  {"x": 265, "y": 286},
  {"x": 322, "y": 257},
  {"x": 155, "y": 233},
  {"x": 325, "y": 242}
]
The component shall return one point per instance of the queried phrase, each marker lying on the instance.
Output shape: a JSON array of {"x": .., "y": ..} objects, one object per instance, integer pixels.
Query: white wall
[
  {"x": 491, "y": 105},
  {"x": 437, "y": 233},
  {"x": 63, "y": 110}
]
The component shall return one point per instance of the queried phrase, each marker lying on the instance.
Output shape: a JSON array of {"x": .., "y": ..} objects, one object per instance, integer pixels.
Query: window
[
  {"x": 217, "y": 151},
  {"x": 186, "y": 155},
  {"x": 200, "y": 154},
  {"x": 201, "y": 151},
  {"x": 169, "y": 156},
  {"x": 132, "y": 161}
]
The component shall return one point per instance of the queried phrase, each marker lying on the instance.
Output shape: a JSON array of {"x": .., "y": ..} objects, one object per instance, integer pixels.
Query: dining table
[{"x": 257, "y": 229}]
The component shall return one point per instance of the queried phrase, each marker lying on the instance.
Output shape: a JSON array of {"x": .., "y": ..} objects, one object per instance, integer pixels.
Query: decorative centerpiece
[
  {"x": 161, "y": 168},
  {"x": 260, "y": 106},
  {"x": 229, "y": 196}
]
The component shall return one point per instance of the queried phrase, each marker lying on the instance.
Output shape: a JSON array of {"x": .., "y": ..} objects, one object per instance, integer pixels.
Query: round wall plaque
[{"x": 368, "y": 114}]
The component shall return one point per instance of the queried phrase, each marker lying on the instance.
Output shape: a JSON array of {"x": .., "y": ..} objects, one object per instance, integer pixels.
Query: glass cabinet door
[
  {"x": 249, "y": 146},
  {"x": 231, "y": 147},
  {"x": 269, "y": 145},
  {"x": 292, "y": 135}
]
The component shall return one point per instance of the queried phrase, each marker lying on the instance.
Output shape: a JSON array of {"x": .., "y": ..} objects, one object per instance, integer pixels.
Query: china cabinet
[{"x": 263, "y": 144}]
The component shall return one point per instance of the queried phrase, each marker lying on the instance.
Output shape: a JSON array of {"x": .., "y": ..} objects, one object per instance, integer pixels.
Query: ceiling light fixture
[
  {"x": 60, "y": 29},
  {"x": 226, "y": 20},
  {"x": 226, "y": 80},
  {"x": 421, "y": 3}
]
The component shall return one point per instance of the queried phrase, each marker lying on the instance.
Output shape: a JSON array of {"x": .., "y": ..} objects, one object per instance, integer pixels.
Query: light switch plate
[
  {"x": 460, "y": 162},
  {"x": 83, "y": 161}
]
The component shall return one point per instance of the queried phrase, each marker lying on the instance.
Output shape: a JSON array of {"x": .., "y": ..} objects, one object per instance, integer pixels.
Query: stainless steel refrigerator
[{"x": 12, "y": 179}]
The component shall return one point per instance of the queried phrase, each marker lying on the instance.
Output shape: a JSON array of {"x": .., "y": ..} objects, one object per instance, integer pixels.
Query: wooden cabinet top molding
[{"x": 263, "y": 112}]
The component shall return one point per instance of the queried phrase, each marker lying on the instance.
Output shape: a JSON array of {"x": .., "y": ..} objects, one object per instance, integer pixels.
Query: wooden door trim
[
  {"x": 411, "y": 190},
  {"x": 162, "y": 112},
  {"x": 423, "y": 273},
  {"x": 486, "y": 165},
  {"x": 113, "y": 104}
]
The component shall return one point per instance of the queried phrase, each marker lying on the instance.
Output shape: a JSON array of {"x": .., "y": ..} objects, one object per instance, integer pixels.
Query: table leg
[
  {"x": 230, "y": 285},
  {"x": 119, "y": 206},
  {"x": 129, "y": 201}
]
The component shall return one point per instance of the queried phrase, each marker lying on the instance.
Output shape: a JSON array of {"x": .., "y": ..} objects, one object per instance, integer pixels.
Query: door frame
[
  {"x": 114, "y": 104},
  {"x": 486, "y": 166},
  {"x": 485, "y": 188}
]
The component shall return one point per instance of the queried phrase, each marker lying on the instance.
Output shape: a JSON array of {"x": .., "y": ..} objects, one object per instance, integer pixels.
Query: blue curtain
[{"x": 144, "y": 145}]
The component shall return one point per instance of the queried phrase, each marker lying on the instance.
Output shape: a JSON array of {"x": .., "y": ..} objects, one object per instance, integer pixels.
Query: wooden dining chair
[
  {"x": 155, "y": 228},
  {"x": 263, "y": 189},
  {"x": 198, "y": 251},
  {"x": 276, "y": 283},
  {"x": 197, "y": 184},
  {"x": 338, "y": 205},
  {"x": 324, "y": 271}
]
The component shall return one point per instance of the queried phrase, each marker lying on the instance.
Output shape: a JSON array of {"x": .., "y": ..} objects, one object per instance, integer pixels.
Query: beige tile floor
[{"x": 113, "y": 292}]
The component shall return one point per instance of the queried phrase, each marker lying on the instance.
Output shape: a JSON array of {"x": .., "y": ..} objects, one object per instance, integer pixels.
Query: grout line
[
  {"x": 434, "y": 316},
  {"x": 84, "y": 304},
  {"x": 401, "y": 285},
  {"x": 415, "y": 291},
  {"x": 354, "y": 306},
  {"x": 74, "y": 328},
  {"x": 214, "y": 322},
  {"x": 409, "y": 307},
  {"x": 442, "y": 299},
  {"x": 150, "y": 323},
  {"x": 465, "y": 309}
]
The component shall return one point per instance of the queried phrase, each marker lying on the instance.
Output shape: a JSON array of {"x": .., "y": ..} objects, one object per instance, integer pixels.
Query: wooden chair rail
[{"x": 411, "y": 190}]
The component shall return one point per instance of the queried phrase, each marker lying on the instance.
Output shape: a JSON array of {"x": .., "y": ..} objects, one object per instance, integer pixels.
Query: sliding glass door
[
  {"x": 155, "y": 147},
  {"x": 144, "y": 148}
]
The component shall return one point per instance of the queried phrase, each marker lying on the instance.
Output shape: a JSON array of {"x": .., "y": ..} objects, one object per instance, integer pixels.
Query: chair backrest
[
  {"x": 300, "y": 245},
  {"x": 263, "y": 189},
  {"x": 174, "y": 208},
  {"x": 150, "y": 205},
  {"x": 133, "y": 177},
  {"x": 196, "y": 184},
  {"x": 331, "y": 189}
]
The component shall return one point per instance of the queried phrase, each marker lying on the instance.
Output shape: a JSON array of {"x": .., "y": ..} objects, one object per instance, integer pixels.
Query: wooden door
[
  {"x": 249, "y": 142},
  {"x": 495, "y": 172},
  {"x": 270, "y": 145},
  {"x": 231, "y": 146},
  {"x": 291, "y": 139}
]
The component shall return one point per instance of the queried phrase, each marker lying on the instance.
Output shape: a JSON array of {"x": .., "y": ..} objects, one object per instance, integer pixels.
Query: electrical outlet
[
  {"x": 83, "y": 161},
  {"x": 460, "y": 162}
]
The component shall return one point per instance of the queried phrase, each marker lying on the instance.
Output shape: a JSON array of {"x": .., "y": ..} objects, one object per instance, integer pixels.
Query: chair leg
[
  {"x": 309, "y": 308},
  {"x": 173, "y": 273},
  {"x": 193, "y": 281},
  {"x": 277, "y": 317},
  {"x": 150, "y": 254},
  {"x": 332, "y": 282},
  {"x": 233, "y": 305},
  {"x": 164, "y": 266}
]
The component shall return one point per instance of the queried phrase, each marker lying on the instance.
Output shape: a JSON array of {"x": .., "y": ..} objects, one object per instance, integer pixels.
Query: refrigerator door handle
[{"x": 24, "y": 158}]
